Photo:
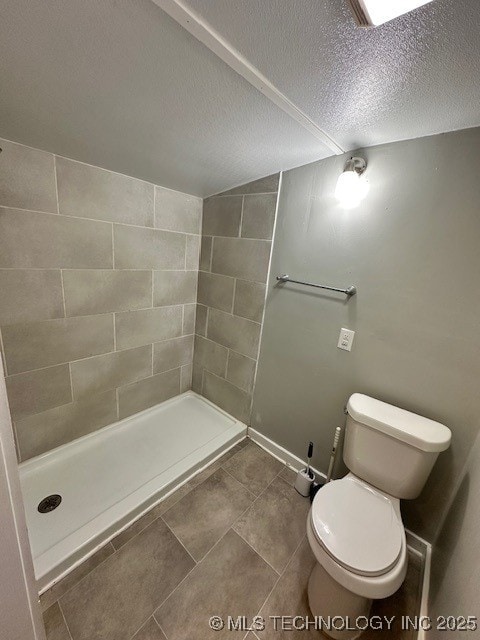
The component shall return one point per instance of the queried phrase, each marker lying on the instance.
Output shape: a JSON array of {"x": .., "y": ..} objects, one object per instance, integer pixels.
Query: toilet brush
[
  {"x": 305, "y": 477},
  {"x": 316, "y": 487}
]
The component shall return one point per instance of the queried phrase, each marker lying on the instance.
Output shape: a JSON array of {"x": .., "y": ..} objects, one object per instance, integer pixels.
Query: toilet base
[{"x": 328, "y": 599}]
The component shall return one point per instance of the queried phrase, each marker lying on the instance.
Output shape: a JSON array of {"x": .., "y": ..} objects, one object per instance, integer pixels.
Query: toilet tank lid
[{"x": 420, "y": 432}]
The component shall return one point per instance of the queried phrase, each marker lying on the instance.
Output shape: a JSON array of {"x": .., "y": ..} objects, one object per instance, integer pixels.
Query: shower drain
[{"x": 49, "y": 503}]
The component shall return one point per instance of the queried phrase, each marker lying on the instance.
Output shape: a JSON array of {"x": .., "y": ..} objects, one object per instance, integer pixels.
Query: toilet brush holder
[{"x": 303, "y": 482}]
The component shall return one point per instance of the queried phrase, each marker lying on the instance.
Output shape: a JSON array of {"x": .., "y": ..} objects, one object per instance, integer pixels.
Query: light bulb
[{"x": 351, "y": 189}]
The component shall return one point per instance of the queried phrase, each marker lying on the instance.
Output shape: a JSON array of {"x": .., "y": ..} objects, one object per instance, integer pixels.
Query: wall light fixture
[{"x": 351, "y": 185}]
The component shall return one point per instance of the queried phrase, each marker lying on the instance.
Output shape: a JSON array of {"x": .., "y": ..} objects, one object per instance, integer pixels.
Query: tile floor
[{"x": 230, "y": 542}]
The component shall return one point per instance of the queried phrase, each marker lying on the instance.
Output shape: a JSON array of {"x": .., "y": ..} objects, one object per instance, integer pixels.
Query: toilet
[{"x": 354, "y": 526}]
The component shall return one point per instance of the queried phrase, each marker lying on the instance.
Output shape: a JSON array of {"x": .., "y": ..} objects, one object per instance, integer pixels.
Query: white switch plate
[{"x": 345, "y": 340}]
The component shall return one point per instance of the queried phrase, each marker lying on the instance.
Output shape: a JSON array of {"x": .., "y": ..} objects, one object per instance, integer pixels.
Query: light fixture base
[{"x": 356, "y": 164}]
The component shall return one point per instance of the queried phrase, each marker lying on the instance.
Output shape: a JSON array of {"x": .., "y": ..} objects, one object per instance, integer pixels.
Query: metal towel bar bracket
[{"x": 350, "y": 291}]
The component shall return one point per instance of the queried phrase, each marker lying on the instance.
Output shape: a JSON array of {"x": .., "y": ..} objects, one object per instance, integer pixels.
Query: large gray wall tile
[
  {"x": 215, "y": 291},
  {"x": 29, "y": 295},
  {"x": 34, "y": 345},
  {"x": 38, "y": 391},
  {"x": 269, "y": 184},
  {"x": 206, "y": 253},
  {"x": 44, "y": 431},
  {"x": 227, "y": 396},
  {"x": 186, "y": 374},
  {"x": 148, "y": 392},
  {"x": 177, "y": 211},
  {"x": 249, "y": 300},
  {"x": 201, "y": 320},
  {"x": 241, "y": 371},
  {"x": 259, "y": 216},
  {"x": 174, "y": 287},
  {"x": 27, "y": 178},
  {"x": 241, "y": 258},
  {"x": 137, "y": 248},
  {"x": 192, "y": 256},
  {"x": 236, "y": 333},
  {"x": 90, "y": 192},
  {"x": 171, "y": 354},
  {"x": 136, "y": 328},
  {"x": 111, "y": 370},
  {"x": 222, "y": 216},
  {"x": 210, "y": 355},
  {"x": 90, "y": 291},
  {"x": 189, "y": 311},
  {"x": 42, "y": 240}
]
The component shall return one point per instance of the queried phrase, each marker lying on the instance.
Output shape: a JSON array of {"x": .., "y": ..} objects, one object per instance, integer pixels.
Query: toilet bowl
[
  {"x": 354, "y": 526},
  {"x": 358, "y": 539}
]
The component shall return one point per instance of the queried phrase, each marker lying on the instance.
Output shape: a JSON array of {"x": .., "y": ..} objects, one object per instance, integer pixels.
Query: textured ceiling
[
  {"x": 119, "y": 84},
  {"x": 415, "y": 76}
]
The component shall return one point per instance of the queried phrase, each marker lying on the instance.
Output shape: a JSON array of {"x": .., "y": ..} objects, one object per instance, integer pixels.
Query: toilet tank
[{"x": 390, "y": 448}]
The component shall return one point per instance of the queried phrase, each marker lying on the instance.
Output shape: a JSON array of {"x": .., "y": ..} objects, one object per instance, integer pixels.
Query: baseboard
[
  {"x": 277, "y": 451},
  {"x": 415, "y": 543}
]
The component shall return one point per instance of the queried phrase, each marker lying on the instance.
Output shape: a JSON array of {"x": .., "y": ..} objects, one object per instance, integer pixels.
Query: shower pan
[{"x": 80, "y": 495}]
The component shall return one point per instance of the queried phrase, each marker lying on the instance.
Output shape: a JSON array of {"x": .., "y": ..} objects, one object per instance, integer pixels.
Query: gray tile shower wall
[
  {"x": 235, "y": 252},
  {"x": 98, "y": 280}
]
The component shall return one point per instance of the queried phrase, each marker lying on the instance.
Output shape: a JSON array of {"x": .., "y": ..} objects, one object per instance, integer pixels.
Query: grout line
[
  {"x": 233, "y": 195},
  {"x": 113, "y": 222},
  {"x": 159, "y": 625},
  {"x": 71, "y": 382},
  {"x": 154, "y": 206},
  {"x": 152, "y": 357},
  {"x": 64, "y": 620},
  {"x": 177, "y": 538},
  {"x": 63, "y": 298},
  {"x": 117, "y": 404},
  {"x": 234, "y": 294},
  {"x": 113, "y": 248},
  {"x": 56, "y": 182},
  {"x": 211, "y": 254},
  {"x": 240, "y": 228},
  {"x": 4, "y": 355},
  {"x": 114, "y": 332},
  {"x": 281, "y": 574},
  {"x": 185, "y": 255}
]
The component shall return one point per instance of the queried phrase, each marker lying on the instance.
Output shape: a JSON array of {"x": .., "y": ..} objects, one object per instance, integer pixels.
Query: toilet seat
[{"x": 357, "y": 526}]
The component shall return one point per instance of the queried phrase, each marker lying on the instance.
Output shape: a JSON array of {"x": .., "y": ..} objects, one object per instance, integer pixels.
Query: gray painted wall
[
  {"x": 455, "y": 582},
  {"x": 412, "y": 249}
]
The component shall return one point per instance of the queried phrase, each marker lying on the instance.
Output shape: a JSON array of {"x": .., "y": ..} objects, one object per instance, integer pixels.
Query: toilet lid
[{"x": 357, "y": 526}]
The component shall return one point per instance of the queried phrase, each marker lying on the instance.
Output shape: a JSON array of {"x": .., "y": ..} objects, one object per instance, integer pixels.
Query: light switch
[{"x": 345, "y": 340}]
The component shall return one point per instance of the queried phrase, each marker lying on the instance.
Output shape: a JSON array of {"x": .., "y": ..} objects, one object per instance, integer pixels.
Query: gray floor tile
[
  {"x": 275, "y": 523},
  {"x": 289, "y": 475},
  {"x": 173, "y": 498},
  {"x": 150, "y": 631},
  {"x": 115, "y": 598},
  {"x": 135, "y": 528},
  {"x": 62, "y": 586},
  {"x": 203, "y": 516},
  {"x": 253, "y": 467},
  {"x": 289, "y": 597},
  {"x": 55, "y": 627},
  {"x": 232, "y": 580}
]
